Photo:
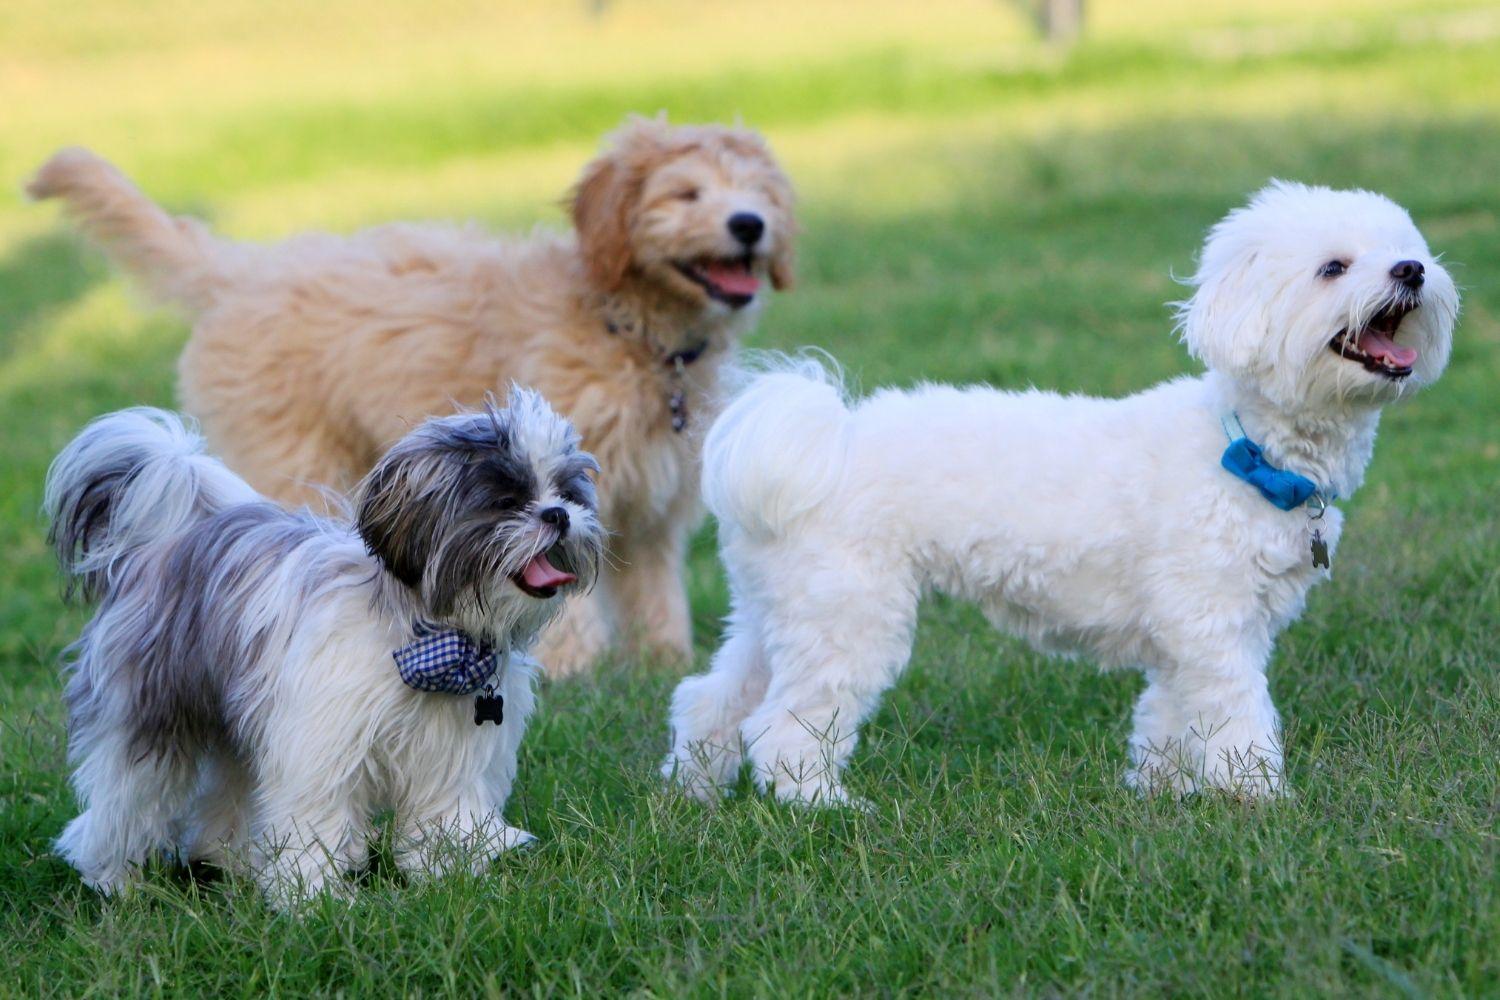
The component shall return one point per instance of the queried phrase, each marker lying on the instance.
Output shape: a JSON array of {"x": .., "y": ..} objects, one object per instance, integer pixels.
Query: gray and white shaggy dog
[{"x": 257, "y": 684}]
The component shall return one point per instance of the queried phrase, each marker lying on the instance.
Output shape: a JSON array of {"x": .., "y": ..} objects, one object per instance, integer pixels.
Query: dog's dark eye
[
  {"x": 506, "y": 503},
  {"x": 1332, "y": 269},
  {"x": 687, "y": 194}
]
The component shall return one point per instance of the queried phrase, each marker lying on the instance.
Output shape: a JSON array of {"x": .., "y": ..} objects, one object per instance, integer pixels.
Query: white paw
[
  {"x": 693, "y": 776},
  {"x": 513, "y": 837},
  {"x": 1245, "y": 774},
  {"x": 823, "y": 791},
  {"x": 1183, "y": 767},
  {"x": 289, "y": 893},
  {"x": 839, "y": 798},
  {"x": 1166, "y": 768},
  {"x": 113, "y": 883},
  {"x": 827, "y": 798}
]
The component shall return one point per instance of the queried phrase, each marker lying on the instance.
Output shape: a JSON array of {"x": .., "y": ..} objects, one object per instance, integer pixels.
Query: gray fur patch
[{"x": 192, "y": 632}]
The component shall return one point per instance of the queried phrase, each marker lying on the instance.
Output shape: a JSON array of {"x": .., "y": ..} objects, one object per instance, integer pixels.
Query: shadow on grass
[{"x": 41, "y": 274}]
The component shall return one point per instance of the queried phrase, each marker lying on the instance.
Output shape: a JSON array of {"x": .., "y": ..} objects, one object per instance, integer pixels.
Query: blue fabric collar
[
  {"x": 446, "y": 661},
  {"x": 1244, "y": 459}
]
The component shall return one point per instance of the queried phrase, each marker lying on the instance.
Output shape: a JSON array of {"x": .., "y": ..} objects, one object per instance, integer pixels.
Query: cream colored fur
[{"x": 309, "y": 357}]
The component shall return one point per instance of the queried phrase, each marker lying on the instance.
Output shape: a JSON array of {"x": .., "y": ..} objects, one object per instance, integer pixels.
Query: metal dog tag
[
  {"x": 489, "y": 707},
  {"x": 677, "y": 402},
  {"x": 1319, "y": 550}
]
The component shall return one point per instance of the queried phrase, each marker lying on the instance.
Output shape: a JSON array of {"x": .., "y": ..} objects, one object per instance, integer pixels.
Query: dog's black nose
[
  {"x": 746, "y": 227},
  {"x": 555, "y": 516},
  {"x": 1409, "y": 273}
]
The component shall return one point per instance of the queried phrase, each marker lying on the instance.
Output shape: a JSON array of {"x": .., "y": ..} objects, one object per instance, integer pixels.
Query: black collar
[
  {"x": 684, "y": 357},
  {"x": 687, "y": 355}
]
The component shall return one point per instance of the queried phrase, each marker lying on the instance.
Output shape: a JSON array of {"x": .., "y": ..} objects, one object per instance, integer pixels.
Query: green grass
[{"x": 976, "y": 209}]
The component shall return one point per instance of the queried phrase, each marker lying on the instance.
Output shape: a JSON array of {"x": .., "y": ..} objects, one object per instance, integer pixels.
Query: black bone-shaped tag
[{"x": 489, "y": 707}]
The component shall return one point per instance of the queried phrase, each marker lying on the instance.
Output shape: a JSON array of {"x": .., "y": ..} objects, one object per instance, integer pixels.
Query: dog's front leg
[
  {"x": 305, "y": 840},
  {"x": 445, "y": 827},
  {"x": 311, "y": 807},
  {"x": 440, "y": 835},
  {"x": 1208, "y": 723}
]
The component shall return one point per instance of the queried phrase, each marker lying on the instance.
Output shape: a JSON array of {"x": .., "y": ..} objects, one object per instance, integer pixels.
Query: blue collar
[
  {"x": 1244, "y": 459},
  {"x": 446, "y": 661}
]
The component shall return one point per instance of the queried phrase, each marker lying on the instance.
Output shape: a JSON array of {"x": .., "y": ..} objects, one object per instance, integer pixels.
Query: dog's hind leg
[
  {"x": 217, "y": 826},
  {"x": 707, "y": 711},
  {"x": 132, "y": 799},
  {"x": 651, "y": 601},
  {"x": 832, "y": 652}
]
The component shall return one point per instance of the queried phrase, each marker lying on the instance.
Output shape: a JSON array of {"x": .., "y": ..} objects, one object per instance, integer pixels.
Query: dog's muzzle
[
  {"x": 730, "y": 280},
  {"x": 1374, "y": 345}
]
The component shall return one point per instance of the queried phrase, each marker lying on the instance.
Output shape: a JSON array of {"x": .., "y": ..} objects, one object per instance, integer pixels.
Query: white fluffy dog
[
  {"x": 260, "y": 684},
  {"x": 1177, "y": 530}
]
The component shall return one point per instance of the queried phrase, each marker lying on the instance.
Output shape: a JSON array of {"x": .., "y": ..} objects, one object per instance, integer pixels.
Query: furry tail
[
  {"x": 778, "y": 450},
  {"x": 129, "y": 480},
  {"x": 177, "y": 259}
]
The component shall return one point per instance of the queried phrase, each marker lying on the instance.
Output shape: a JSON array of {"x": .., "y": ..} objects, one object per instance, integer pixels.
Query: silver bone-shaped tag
[{"x": 1319, "y": 550}]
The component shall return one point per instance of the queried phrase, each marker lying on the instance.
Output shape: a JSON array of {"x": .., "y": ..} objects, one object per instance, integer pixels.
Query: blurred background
[{"x": 990, "y": 190}]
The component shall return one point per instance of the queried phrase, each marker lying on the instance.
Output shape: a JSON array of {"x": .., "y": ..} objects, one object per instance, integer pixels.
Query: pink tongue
[
  {"x": 541, "y": 574},
  {"x": 1378, "y": 345},
  {"x": 732, "y": 278}
]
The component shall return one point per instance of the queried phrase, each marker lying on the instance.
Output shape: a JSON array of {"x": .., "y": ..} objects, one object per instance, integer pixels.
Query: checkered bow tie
[{"x": 446, "y": 661}]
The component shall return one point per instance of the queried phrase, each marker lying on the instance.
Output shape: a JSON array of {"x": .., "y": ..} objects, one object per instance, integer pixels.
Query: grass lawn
[{"x": 976, "y": 208}]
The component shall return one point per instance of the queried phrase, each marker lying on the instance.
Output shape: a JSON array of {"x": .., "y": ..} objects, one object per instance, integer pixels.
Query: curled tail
[
  {"x": 778, "y": 449},
  {"x": 129, "y": 480},
  {"x": 177, "y": 259}
]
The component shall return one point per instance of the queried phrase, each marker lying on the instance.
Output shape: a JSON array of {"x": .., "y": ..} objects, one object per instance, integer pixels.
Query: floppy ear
[
  {"x": 601, "y": 209},
  {"x": 1227, "y": 322},
  {"x": 395, "y": 525},
  {"x": 782, "y": 276}
]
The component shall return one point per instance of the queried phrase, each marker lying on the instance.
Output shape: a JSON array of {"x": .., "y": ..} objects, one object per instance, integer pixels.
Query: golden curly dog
[{"x": 309, "y": 357}]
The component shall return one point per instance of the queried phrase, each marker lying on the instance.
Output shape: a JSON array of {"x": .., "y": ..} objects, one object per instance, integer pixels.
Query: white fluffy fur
[{"x": 1099, "y": 527}]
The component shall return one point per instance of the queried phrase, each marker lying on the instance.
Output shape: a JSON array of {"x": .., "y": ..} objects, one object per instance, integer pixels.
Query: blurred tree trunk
[{"x": 1060, "y": 21}]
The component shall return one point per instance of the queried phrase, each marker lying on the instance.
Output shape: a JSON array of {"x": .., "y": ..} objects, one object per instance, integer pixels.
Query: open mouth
[
  {"x": 540, "y": 578},
  {"x": 726, "y": 279},
  {"x": 1375, "y": 345}
]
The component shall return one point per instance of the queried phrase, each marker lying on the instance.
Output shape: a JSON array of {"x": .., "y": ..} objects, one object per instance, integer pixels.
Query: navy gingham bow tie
[{"x": 446, "y": 661}]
